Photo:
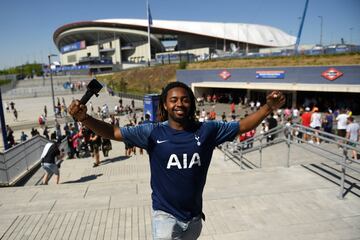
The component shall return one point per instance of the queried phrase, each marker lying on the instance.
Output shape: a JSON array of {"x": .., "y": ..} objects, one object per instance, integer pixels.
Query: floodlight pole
[
  {"x": 321, "y": 29},
  {"x": 52, "y": 84}
]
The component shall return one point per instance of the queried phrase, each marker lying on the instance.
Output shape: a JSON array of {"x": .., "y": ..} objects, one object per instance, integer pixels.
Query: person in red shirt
[
  {"x": 232, "y": 107},
  {"x": 212, "y": 114},
  {"x": 250, "y": 134},
  {"x": 305, "y": 120}
]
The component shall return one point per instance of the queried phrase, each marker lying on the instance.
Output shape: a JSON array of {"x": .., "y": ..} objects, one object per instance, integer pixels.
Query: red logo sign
[
  {"x": 331, "y": 74},
  {"x": 224, "y": 75}
]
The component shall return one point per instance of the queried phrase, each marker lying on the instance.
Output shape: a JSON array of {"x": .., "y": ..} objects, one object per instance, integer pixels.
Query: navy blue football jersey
[{"x": 179, "y": 161}]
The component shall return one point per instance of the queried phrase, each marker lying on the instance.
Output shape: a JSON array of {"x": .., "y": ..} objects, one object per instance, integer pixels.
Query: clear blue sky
[{"x": 26, "y": 27}]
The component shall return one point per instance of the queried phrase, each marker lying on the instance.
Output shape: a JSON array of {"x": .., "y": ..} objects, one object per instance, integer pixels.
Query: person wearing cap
[
  {"x": 305, "y": 121},
  {"x": 352, "y": 133}
]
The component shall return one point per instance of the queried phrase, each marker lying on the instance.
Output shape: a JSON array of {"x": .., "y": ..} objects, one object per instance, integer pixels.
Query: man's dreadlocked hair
[{"x": 163, "y": 114}]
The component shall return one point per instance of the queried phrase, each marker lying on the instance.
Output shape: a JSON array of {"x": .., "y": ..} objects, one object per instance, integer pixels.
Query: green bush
[{"x": 182, "y": 65}]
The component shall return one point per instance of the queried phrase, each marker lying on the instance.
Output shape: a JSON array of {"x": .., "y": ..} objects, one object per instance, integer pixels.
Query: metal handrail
[
  {"x": 286, "y": 135},
  {"x": 18, "y": 161}
]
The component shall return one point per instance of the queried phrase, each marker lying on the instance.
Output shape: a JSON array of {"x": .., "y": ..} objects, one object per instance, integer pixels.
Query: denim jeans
[{"x": 166, "y": 226}]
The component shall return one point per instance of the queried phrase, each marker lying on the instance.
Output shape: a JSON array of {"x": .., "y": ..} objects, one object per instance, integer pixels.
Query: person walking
[
  {"x": 45, "y": 111},
  {"x": 352, "y": 133},
  {"x": 271, "y": 123},
  {"x": 95, "y": 144},
  {"x": 305, "y": 121},
  {"x": 46, "y": 132},
  {"x": 10, "y": 136},
  {"x": 50, "y": 154},
  {"x": 15, "y": 112},
  {"x": 23, "y": 136},
  {"x": 180, "y": 151},
  {"x": 328, "y": 122},
  {"x": 315, "y": 123},
  {"x": 341, "y": 124}
]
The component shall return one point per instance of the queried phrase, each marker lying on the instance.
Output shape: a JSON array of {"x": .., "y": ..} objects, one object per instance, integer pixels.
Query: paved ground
[{"x": 112, "y": 201}]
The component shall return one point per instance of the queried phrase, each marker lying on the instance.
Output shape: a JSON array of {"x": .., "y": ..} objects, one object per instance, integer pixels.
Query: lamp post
[
  {"x": 321, "y": 29},
  {"x": 351, "y": 34},
  {"x": 52, "y": 84},
  {"x": 224, "y": 39}
]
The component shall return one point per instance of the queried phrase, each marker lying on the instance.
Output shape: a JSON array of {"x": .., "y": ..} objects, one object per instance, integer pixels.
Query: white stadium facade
[{"x": 122, "y": 41}]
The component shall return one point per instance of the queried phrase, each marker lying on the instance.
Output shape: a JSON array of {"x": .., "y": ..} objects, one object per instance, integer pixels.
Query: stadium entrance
[{"x": 323, "y": 100}]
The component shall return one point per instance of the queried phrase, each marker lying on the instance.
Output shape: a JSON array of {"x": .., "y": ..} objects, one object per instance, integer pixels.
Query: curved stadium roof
[{"x": 255, "y": 34}]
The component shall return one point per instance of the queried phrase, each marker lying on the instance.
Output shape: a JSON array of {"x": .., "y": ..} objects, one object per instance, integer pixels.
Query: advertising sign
[
  {"x": 151, "y": 102},
  {"x": 270, "y": 74},
  {"x": 73, "y": 47},
  {"x": 73, "y": 68}
]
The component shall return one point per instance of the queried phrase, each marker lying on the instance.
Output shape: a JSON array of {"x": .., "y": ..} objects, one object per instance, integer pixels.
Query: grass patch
[
  {"x": 152, "y": 79},
  {"x": 4, "y": 82}
]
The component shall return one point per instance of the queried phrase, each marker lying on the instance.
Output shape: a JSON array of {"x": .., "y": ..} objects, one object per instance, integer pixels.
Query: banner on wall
[
  {"x": 72, "y": 47},
  {"x": 270, "y": 74}
]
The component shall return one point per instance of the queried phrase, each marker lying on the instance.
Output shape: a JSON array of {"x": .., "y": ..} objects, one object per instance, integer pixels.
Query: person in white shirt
[
  {"x": 258, "y": 104},
  {"x": 341, "y": 124},
  {"x": 315, "y": 123},
  {"x": 352, "y": 133},
  {"x": 252, "y": 105}
]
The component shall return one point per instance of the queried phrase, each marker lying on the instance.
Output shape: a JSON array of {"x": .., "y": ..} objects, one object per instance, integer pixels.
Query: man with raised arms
[{"x": 180, "y": 150}]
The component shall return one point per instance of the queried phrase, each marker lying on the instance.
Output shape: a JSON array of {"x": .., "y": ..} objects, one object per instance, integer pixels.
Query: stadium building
[{"x": 118, "y": 42}]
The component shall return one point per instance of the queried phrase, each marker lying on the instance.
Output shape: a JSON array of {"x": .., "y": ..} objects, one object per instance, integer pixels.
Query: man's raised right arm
[{"x": 106, "y": 130}]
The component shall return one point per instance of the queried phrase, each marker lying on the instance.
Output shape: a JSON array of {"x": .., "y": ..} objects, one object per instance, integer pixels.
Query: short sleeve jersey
[
  {"x": 353, "y": 130},
  {"x": 179, "y": 161},
  {"x": 342, "y": 120},
  {"x": 51, "y": 154},
  {"x": 306, "y": 118}
]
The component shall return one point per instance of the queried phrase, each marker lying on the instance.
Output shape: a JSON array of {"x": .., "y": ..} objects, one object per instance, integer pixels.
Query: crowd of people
[{"x": 339, "y": 121}]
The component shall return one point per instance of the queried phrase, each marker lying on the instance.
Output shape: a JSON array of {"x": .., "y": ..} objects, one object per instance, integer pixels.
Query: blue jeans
[{"x": 166, "y": 226}]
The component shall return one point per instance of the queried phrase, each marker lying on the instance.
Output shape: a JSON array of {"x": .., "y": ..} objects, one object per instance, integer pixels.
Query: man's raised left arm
[{"x": 273, "y": 102}]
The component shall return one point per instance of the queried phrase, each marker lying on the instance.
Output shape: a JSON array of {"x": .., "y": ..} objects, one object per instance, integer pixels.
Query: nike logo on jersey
[{"x": 158, "y": 141}]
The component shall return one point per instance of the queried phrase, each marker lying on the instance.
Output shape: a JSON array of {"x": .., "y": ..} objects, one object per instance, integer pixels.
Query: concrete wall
[
  {"x": 141, "y": 52},
  {"x": 93, "y": 50}
]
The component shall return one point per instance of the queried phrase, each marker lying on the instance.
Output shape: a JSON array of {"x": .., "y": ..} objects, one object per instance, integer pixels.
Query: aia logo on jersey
[
  {"x": 331, "y": 74},
  {"x": 224, "y": 75},
  {"x": 183, "y": 162}
]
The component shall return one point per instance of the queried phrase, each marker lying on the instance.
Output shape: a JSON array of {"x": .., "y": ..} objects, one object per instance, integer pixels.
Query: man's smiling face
[{"x": 177, "y": 104}]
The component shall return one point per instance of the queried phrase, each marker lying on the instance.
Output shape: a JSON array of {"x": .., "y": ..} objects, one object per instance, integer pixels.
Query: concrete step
[{"x": 332, "y": 173}]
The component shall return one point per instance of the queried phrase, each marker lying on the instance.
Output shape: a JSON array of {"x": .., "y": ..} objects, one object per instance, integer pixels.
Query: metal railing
[
  {"x": 18, "y": 161},
  {"x": 290, "y": 135}
]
